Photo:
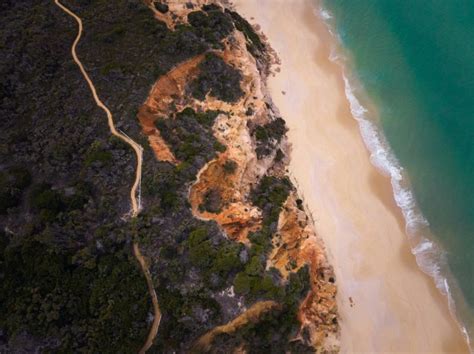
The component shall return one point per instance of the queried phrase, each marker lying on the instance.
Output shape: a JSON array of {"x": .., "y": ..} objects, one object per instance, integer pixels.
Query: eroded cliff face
[
  {"x": 295, "y": 245},
  {"x": 254, "y": 147},
  {"x": 165, "y": 93}
]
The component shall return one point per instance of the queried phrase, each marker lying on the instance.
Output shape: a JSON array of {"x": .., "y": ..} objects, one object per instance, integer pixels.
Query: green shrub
[
  {"x": 204, "y": 118},
  {"x": 218, "y": 79},
  {"x": 268, "y": 137},
  {"x": 96, "y": 153},
  {"x": 219, "y": 258},
  {"x": 254, "y": 267},
  {"x": 227, "y": 259},
  {"x": 297, "y": 287},
  {"x": 255, "y": 44},
  {"x": 212, "y": 202},
  {"x": 169, "y": 199},
  {"x": 212, "y": 25},
  {"x": 279, "y": 155},
  {"x": 197, "y": 236},
  {"x": 42, "y": 197},
  {"x": 207, "y": 118},
  {"x": 261, "y": 133},
  {"x": 230, "y": 166},
  {"x": 219, "y": 147},
  {"x": 81, "y": 195},
  {"x": 201, "y": 251},
  {"x": 271, "y": 191},
  {"x": 242, "y": 283},
  {"x": 163, "y": 8}
]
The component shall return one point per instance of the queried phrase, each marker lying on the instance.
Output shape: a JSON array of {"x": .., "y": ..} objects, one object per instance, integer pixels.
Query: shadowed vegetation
[{"x": 68, "y": 282}]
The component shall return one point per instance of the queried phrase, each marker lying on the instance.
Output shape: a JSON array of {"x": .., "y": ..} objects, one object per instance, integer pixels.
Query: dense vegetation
[
  {"x": 76, "y": 299},
  {"x": 268, "y": 136},
  {"x": 212, "y": 24},
  {"x": 189, "y": 135},
  {"x": 254, "y": 43},
  {"x": 275, "y": 328},
  {"x": 218, "y": 79},
  {"x": 68, "y": 281}
]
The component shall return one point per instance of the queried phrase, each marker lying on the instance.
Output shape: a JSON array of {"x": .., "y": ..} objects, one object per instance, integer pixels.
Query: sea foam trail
[{"x": 429, "y": 256}]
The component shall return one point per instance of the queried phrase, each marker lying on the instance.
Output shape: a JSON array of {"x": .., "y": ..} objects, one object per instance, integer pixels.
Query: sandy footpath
[{"x": 396, "y": 307}]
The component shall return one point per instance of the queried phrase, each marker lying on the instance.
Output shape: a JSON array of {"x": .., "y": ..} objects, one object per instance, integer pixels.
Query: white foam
[
  {"x": 382, "y": 157},
  {"x": 429, "y": 256},
  {"x": 324, "y": 14},
  {"x": 334, "y": 55},
  {"x": 422, "y": 247}
]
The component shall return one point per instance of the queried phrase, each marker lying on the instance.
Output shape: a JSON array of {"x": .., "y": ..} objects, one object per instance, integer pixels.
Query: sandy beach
[{"x": 386, "y": 303}]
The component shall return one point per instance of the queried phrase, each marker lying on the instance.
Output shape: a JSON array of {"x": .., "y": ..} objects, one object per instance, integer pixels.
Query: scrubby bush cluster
[
  {"x": 254, "y": 281},
  {"x": 218, "y": 79},
  {"x": 219, "y": 258},
  {"x": 254, "y": 44},
  {"x": 189, "y": 135},
  {"x": 230, "y": 167},
  {"x": 268, "y": 137},
  {"x": 212, "y": 24},
  {"x": 212, "y": 202}
]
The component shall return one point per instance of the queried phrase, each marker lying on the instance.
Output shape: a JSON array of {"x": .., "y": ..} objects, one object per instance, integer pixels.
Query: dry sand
[{"x": 396, "y": 307}]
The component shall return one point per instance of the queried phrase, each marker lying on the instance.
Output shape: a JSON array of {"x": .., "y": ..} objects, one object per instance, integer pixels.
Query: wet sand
[{"x": 395, "y": 307}]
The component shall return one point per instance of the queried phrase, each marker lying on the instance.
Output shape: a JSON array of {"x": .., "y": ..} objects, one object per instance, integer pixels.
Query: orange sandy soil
[{"x": 238, "y": 217}]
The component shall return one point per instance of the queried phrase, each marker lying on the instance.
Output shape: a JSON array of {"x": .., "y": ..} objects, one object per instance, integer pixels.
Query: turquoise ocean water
[{"x": 414, "y": 61}]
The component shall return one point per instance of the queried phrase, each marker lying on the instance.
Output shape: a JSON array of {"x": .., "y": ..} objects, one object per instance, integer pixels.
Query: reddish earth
[
  {"x": 296, "y": 243},
  {"x": 163, "y": 95},
  {"x": 237, "y": 217}
]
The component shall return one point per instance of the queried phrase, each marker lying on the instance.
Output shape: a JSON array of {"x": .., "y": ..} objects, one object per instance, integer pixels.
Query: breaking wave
[{"x": 430, "y": 257}]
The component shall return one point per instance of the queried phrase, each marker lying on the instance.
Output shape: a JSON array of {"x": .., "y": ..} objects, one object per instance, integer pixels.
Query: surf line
[{"x": 136, "y": 185}]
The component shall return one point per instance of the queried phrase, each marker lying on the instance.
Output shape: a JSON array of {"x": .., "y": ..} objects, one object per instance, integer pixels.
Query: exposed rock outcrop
[
  {"x": 295, "y": 245},
  {"x": 222, "y": 189}
]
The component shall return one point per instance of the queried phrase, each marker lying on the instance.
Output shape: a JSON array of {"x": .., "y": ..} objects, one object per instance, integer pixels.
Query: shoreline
[{"x": 351, "y": 201}]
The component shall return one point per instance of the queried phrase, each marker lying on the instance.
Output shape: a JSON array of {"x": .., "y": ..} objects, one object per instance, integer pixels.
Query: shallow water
[{"x": 415, "y": 60}]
